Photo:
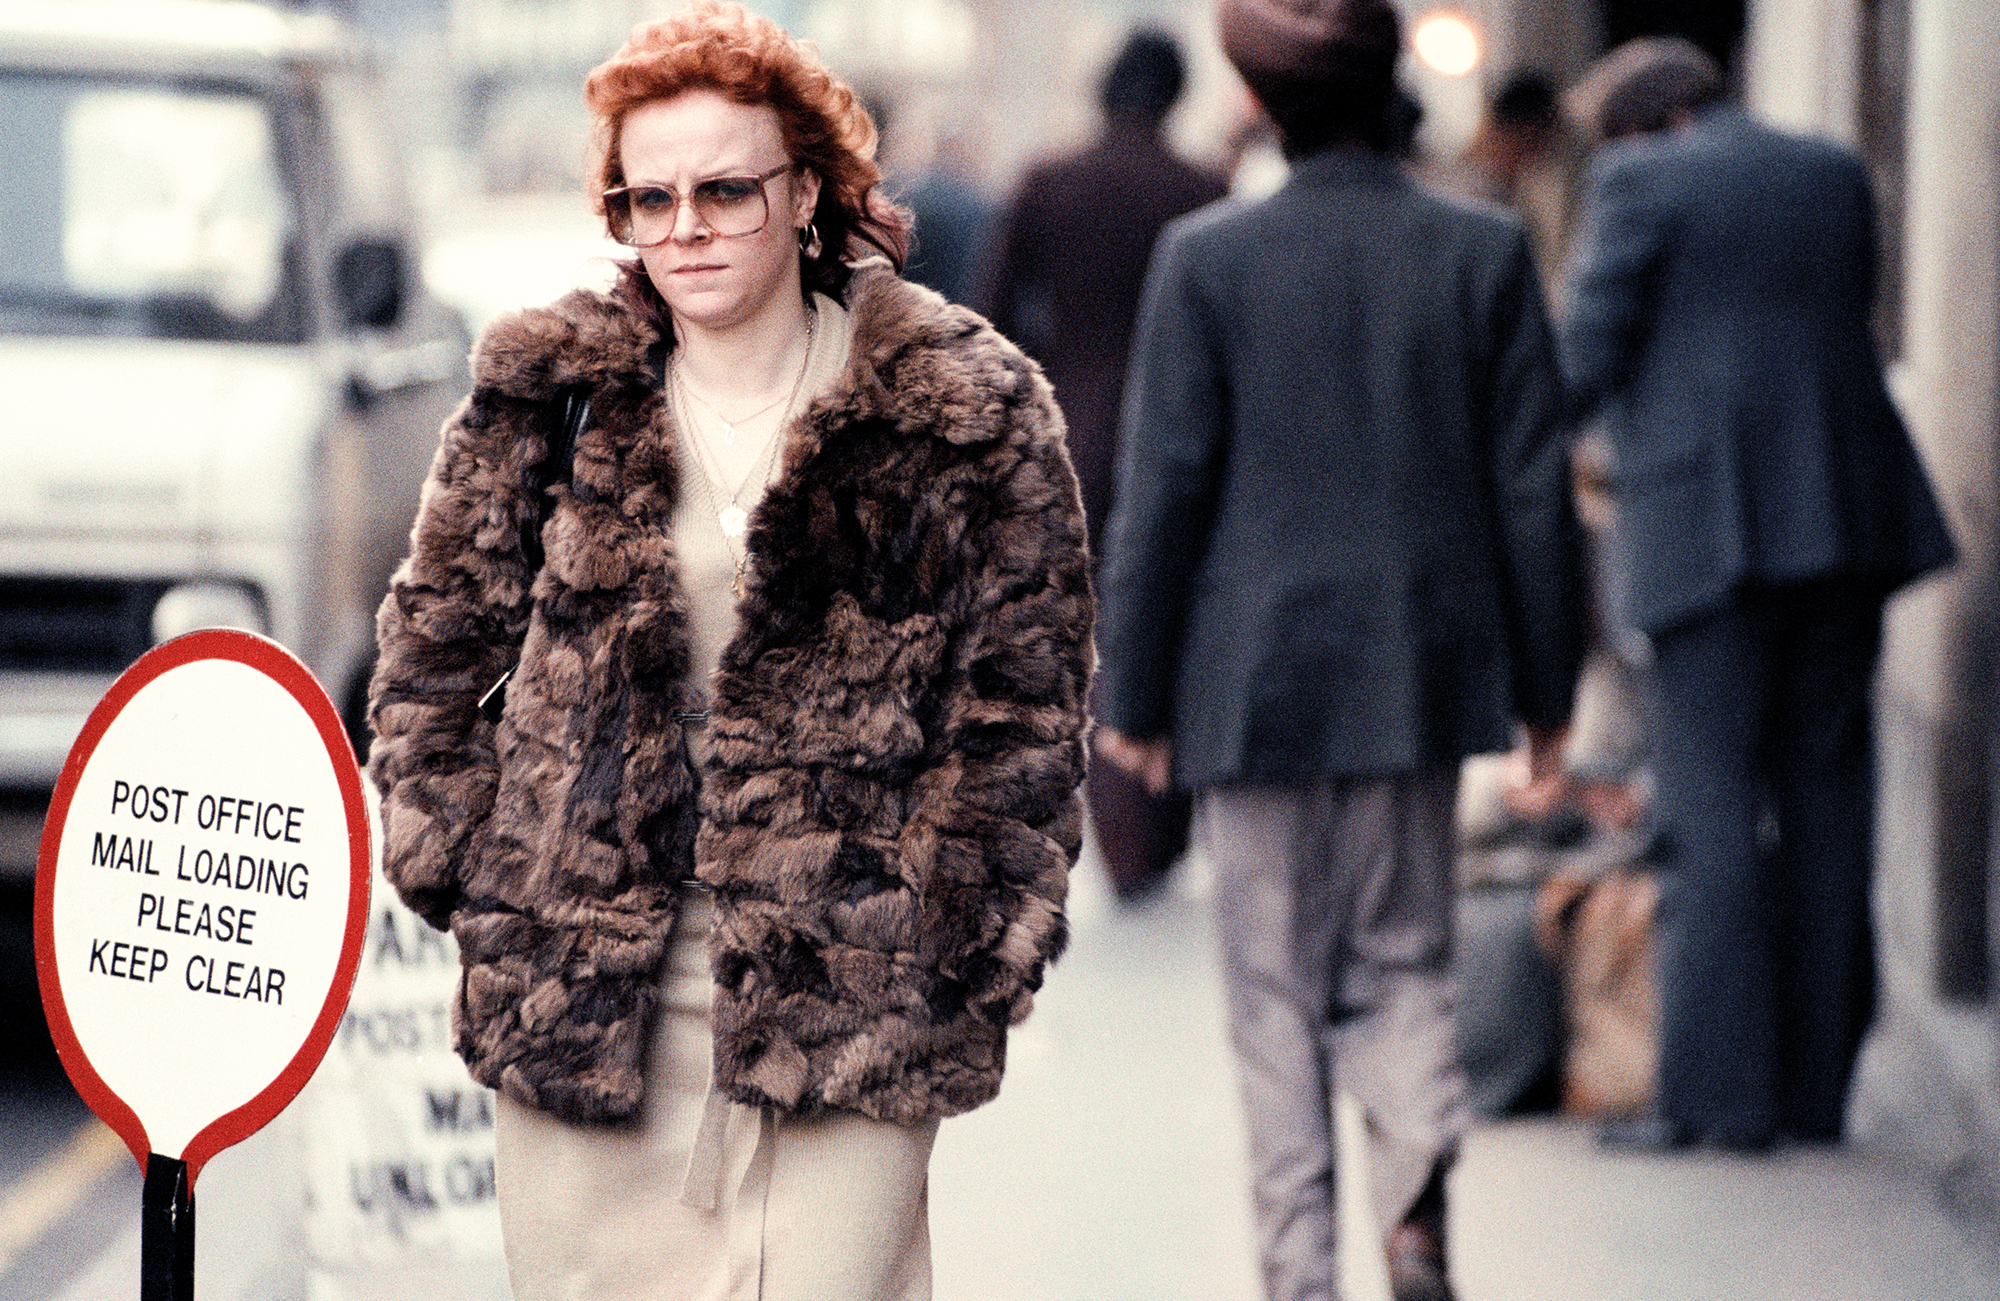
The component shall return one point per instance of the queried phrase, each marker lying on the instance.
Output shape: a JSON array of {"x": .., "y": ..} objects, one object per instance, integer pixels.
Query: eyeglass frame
[{"x": 688, "y": 199}]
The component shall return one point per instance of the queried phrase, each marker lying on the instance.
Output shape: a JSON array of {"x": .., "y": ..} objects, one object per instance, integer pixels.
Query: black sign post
[{"x": 166, "y": 1232}]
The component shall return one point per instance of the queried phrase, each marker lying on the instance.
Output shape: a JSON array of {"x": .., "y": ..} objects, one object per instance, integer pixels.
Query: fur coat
[{"x": 888, "y": 811}]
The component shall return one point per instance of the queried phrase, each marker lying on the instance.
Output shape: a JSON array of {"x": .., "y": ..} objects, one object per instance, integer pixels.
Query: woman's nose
[{"x": 688, "y": 227}]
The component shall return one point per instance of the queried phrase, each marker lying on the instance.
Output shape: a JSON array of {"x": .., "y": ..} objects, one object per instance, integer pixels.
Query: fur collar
[{"x": 919, "y": 362}]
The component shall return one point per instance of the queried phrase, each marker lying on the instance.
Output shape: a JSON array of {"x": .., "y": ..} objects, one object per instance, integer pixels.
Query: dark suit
[
  {"x": 1769, "y": 500},
  {"x": 1344, "y": 541},
  {"x": 1063, "y": 281},
  {"x": 1343, "y": 557}
]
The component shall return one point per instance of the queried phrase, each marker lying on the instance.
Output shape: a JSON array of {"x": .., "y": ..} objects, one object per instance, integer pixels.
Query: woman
[{"x": 783, "y": 796}]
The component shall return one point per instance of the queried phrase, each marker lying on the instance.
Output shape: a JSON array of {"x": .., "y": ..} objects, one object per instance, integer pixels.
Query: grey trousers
[{"x": 1333, "y": 906}]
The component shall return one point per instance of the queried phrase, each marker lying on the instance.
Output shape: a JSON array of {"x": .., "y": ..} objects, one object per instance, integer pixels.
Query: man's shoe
[{"x": 1416, "y": 1264}]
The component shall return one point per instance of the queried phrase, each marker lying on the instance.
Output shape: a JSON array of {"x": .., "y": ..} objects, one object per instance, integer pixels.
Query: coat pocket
[{"x": 556, "y": 1014}]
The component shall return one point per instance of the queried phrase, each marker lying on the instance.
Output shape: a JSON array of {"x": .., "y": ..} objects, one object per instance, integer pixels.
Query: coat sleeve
[
  {"x": 451, "y": 623},
  {"x": 1623, "y": 236},
  {"x": 1010, "y": 750},
  {"x": 1172, "y": 435},
  {"x": 1545, "y": 591}
]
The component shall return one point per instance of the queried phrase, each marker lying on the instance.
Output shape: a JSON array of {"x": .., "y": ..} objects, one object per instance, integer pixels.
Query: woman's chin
[{"x": 712, "y": 306}]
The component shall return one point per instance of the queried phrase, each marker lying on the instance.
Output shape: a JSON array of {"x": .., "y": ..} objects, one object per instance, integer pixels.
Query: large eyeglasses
[{"x": 642, "y": 216}]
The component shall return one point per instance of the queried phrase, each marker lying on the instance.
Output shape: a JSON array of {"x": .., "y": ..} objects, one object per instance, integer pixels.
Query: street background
[{"x": 1111, "y": 1166}]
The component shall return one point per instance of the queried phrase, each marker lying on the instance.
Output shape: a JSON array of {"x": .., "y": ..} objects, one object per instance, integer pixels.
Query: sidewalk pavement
[{"x": 1111, "y": 1169}]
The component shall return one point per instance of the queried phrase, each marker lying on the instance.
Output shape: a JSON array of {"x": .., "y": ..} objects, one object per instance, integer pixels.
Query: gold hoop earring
[{"x": 809, "y": 242}]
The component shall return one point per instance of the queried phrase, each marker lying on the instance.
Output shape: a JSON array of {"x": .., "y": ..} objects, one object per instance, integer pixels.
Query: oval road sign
[{"x": 202, "y": 893}]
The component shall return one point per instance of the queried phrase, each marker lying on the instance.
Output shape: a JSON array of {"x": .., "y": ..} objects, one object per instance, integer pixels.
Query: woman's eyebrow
[{"x": 728, "y": 174}]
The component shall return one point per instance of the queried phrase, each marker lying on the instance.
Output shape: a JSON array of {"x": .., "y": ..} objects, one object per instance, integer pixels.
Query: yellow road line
[{"x": 41, "y": 1197}]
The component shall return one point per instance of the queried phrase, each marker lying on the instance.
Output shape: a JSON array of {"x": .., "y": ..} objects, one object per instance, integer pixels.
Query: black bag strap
[{"x": 571, "y": 407}]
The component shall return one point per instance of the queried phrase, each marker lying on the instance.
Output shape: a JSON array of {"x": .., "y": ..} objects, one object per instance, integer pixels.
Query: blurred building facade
[
  {"x": 1915, "y": 85},
  {"x": 491, "y": 94}
]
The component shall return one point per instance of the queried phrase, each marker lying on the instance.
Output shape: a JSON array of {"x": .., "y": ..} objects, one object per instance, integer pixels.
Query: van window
[{"x": 144, "y": 208}]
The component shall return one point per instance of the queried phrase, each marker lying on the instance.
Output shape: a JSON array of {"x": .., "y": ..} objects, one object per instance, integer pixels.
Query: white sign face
[
  {"x": 202, "y": 893},
  {"x": 398, "y": 1148}
]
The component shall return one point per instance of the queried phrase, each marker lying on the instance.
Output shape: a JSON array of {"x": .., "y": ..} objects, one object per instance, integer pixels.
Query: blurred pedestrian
[
  {"x": 1344, "y": 557},
  {"x": 1069, "y": 266},
  {"x": 1526, "y": 157},
  {"x": 1768, "y": 502},
  {"x": 766, "y": 846},
  {"x": 935, "y": 176},
  {"x": 1523, "y": 157}
]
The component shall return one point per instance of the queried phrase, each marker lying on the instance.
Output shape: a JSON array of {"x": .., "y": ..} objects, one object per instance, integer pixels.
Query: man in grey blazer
[
  {"x": 1769, "y": 501},
  {"x": 1343, "y": 558}
]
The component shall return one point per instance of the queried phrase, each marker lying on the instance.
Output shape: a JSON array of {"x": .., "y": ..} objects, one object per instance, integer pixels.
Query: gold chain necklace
[
  {"x": 728, "y": 425},
  {"x": 731, "y": 519}
]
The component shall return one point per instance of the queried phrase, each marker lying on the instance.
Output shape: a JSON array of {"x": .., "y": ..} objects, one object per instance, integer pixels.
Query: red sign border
[{"x": 288, "y": 671}]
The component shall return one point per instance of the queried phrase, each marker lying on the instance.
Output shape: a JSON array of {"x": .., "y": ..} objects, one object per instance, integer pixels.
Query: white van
[{"x": 220, "y": 377}]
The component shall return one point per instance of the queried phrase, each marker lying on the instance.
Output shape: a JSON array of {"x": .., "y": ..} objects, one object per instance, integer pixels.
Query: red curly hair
[{"x": 720, "y": 46}]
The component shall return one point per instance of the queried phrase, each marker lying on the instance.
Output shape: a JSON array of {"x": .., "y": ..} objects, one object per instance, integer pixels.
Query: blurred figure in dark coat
[
  {"x": 1344, "y": 557},
  {"x": 1769, "y": 501},
  {"x": 1521, "y": 157},
  {"x": 937, "y": 180},
  {"x": 1064, "y": 282},
  {"x": 1526, "y": 157}
]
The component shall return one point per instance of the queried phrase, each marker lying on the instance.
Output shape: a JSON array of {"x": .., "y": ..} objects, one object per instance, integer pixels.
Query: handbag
[
  {"x": 572, "y": 408},
  {"x": 1598, "y": 930}
]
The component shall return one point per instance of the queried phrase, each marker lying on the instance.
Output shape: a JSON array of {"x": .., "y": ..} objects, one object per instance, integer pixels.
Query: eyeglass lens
[{"x": 643, "y": 215}]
